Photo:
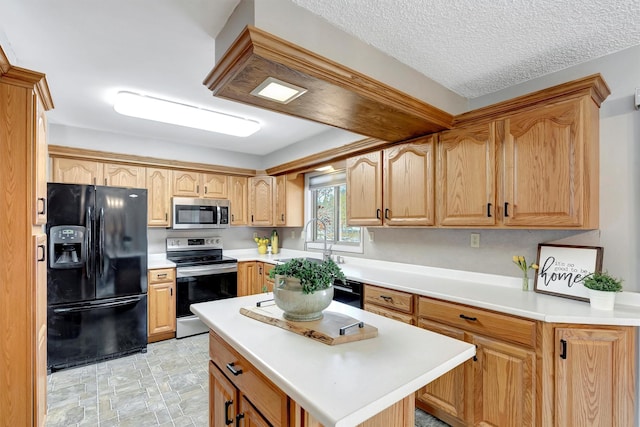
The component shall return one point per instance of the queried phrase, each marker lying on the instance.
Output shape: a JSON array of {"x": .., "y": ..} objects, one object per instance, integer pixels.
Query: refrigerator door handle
[
  {"x": 101, "y": 241},
  {"x": 97, "y": 306},
  {"x": 88, "y": 241}
]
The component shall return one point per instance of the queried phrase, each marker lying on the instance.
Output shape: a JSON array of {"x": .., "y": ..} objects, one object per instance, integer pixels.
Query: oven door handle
[
  {"x": 343, "y": 289},
  {"x": 206, "y": 270}
]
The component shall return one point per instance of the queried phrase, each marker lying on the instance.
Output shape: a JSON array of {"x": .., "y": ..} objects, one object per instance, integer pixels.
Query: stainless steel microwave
[{"x": 196, "y": 213}]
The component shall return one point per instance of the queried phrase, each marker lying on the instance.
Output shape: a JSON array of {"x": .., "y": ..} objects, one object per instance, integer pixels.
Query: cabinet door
[
  {"x": 247, "y": 277},
  {"x": 409, "y": 184},
  {"x": 504, "y": 389},
  {"x": 261, "y": 200},
  {"x": 289, "y": 207},
  {"x": 467, "y": 176},
  {"x": 250, "y": 416},
  {"x": 40, "y": 362},
  {"x": 543, "y": 167},
  {"x": 124, "y": 176},
  {"x": 364, "y": 189},
  {"x": 186, "y": 184},
  {"x": 215, "y": 186},
  {"x": 158, "y": 197},
  {"x": 262, "y": 283},
  {"x": 444, "y": 397},
  {"x": 162, "y": 308},
  {"x": 223, "y": 399},
  {"x": 238, "y": 199},
  {"x": 267, "y": 281},
  {"x": 74, "y": 171},
  {"x": 40, "y": 156},
  {"x": 595, "y": 376}
]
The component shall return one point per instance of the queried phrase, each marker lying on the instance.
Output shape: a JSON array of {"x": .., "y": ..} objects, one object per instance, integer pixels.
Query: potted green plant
[
  {"x": 602, "y": 289},
  {"x": 303, "y": 288}
]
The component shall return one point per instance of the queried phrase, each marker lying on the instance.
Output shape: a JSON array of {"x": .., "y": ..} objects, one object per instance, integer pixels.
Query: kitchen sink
[{"x": 283, "y": 260}]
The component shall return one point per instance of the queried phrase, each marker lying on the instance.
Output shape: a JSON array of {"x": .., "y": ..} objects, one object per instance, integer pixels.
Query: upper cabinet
[
  {"x": 124, "y": 175},
  {"x": 158, "y": 197},
  {"x": 289, "y": 207},
  {"x": 194, "y": 184},
  {"x": 77, "y": 171},
  {"x": 261, "y": 201},
  {"x": 393, "y": 187},
  {"x": 238, "y": 200}
]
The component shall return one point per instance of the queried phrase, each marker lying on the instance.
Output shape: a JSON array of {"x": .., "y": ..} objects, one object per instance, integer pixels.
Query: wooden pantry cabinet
[
  {"x": 393, "y": 187},
  {"x": 161, "y": 304},
  {"x": 24, "y": 100}
]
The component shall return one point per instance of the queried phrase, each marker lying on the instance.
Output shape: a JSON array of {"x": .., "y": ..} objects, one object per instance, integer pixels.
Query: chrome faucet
[{"x": 326, "y": 252}]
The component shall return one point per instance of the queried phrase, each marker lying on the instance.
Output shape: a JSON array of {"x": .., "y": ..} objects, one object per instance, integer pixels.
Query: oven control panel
[{"x": 191, "y": 243}]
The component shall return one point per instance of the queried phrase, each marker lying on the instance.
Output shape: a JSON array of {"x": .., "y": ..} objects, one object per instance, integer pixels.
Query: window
[{"x": 328, "y": 203}]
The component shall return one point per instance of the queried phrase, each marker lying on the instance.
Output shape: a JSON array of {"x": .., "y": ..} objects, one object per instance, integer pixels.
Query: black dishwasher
[{"x": 348, "y": 292}]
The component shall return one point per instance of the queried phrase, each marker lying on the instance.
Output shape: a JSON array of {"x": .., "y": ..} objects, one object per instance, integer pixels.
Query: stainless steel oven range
[{"x": 202, "y": 274}]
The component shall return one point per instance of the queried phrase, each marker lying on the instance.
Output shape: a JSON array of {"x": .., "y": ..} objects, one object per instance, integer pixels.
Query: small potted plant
[
  {"x": 304, "y": 288},
  {"x": 602, "y": 289}
]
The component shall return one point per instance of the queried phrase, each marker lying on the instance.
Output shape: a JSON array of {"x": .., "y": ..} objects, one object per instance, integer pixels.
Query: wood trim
[
  {"x": 593, "y": 85},
  {"x": 25, "y": 78},
  {"x": 335, "y": 93},
  {"x": 103, "y": 156}
]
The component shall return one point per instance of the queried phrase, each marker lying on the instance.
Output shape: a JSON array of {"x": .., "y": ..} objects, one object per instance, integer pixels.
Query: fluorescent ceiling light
[
  {"x": 160, "y": 110},
  {"x": 277, "y": 90}
]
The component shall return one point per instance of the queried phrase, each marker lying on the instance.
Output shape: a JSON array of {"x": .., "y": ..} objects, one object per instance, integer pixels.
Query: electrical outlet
[
  {"x": 371, "y": 236},
  {"x": 255, "y": 234},
  {"x": 475, "y": 240},
  {"x": 293, "y": 234}
]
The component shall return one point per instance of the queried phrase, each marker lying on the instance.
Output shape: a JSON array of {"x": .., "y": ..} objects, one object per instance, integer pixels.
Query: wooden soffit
[{"x": 336, "y": 96}]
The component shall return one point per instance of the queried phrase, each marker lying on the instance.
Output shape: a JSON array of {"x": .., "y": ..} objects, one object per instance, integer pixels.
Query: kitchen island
[{"x": 341, "y": 385}]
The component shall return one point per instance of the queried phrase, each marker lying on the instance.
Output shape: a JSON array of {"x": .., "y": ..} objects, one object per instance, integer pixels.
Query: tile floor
[{"x": 166, "y": 386}]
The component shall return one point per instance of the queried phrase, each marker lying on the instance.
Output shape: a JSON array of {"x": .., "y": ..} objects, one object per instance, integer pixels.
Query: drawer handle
[
  {"x": 227, "y": 405},
  {"x": 473, "y": 319},
  {"x": 162, "y": 276},
  {"x": 234, "y": 371},
  {"x": 386, "y": 298}
]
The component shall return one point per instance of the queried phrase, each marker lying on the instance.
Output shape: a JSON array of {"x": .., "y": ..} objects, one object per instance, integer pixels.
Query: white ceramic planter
[
  {"x": 297, "y": 306},
  {"x": 601, "y": 300}
]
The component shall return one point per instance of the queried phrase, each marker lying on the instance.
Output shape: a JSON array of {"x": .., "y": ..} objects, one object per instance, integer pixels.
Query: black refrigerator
[{"x": 97, "y": 273}]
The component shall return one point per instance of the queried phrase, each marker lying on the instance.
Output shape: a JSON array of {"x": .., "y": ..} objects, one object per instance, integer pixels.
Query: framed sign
[{"x": 562, "y": 268}]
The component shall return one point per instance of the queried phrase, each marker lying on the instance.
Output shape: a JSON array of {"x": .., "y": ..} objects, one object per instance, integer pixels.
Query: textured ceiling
[{"x": 475, "y": 47}]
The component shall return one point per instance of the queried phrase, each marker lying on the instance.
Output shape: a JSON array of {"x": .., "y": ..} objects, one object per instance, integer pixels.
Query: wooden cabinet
[
  {"x": 90, "y": 172},
  {"x": 195, "y": 184},
  {"x": 389, "y": 303},
  {"x": 158, "y": 197},
  {"x": 393, "y": 187},
  {"x": 24, "y": 98},
  {"x": 466, "y": 165},
  {"x": 289, "y": 207},
  {"x": 118, "y": 175},
  {"x": 594, "y": 375},
  {"x": 261, "y": 201},
  {"x": 238, "y": 200},
  {"x": 162, "y": 304},
  {"x": 77, "y": 171},
  {"x": 253, "y": 277}
]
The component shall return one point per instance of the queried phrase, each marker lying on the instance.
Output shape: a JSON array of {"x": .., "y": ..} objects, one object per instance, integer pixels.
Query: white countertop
[
  {"x": 340, "y": 385},
  {"x": 159, "y": 261}
]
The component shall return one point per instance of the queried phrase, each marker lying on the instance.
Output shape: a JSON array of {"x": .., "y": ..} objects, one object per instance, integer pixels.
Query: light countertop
[
  {"x": 159, "y": 261},
  {"x": 340, "y": 385}
]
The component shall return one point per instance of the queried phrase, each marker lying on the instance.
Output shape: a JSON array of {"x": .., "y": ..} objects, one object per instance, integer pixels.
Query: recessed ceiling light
[
  {"x": 160, "y": 110},
  {"x": 277, "y": 90}
]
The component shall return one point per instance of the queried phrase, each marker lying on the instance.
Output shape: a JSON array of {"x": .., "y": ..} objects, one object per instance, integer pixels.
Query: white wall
[{"x": 126, "y": 144}]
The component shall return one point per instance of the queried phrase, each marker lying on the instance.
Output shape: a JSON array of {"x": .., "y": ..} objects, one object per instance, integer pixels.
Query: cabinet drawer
[
  {"x": 261, "y": 392},
  {"x": 391, "y": 314},
  {"x": 161, "y": 275},
  {"x": 389, "y": 298},
  {"x": 484, "y": 322}
]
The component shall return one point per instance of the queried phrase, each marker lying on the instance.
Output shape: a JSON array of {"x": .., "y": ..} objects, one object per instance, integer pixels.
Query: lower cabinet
[
  {"x": 253, "y": 278},
  {"x": 161, "y": 312},
  {"x": 528, "y": 373},
  {"x": 389, "y": 303}
]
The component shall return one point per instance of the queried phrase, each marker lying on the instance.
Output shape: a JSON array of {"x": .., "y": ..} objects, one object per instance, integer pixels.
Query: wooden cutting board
[{"x": 325, "y": 330}]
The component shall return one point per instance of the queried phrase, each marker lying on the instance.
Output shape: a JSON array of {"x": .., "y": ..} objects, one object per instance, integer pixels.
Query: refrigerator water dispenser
[{"x": 67, "y": 246}]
